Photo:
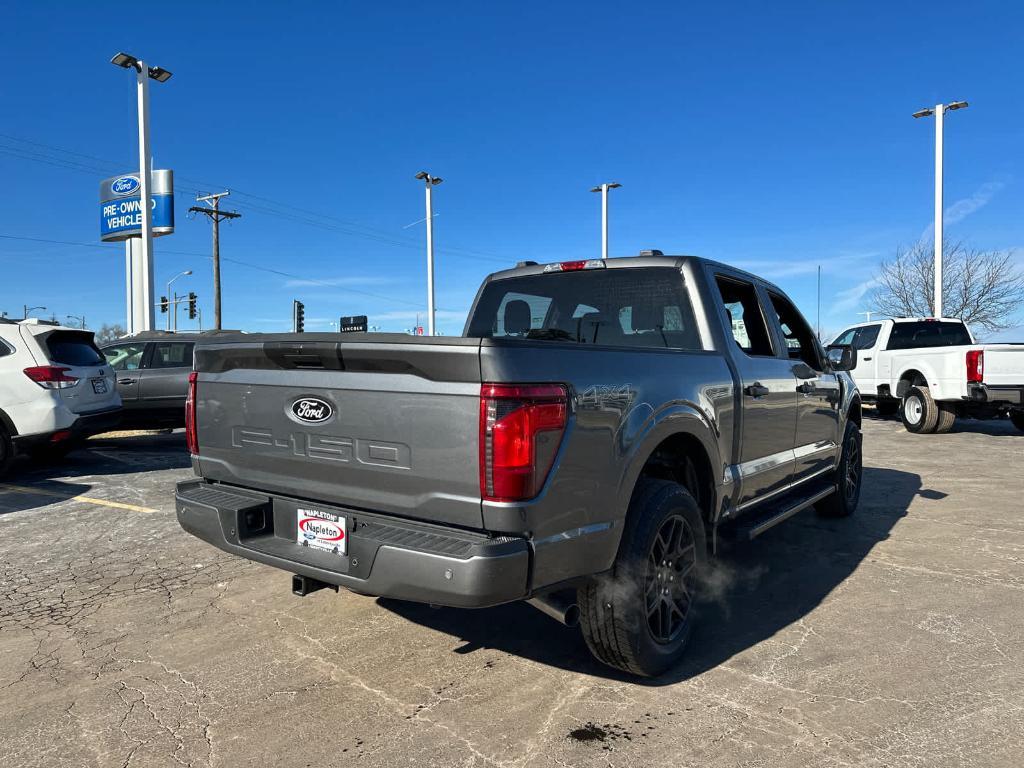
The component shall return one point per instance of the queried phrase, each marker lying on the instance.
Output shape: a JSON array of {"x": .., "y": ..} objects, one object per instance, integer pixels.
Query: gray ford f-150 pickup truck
[{"x": 583, "y": 445}]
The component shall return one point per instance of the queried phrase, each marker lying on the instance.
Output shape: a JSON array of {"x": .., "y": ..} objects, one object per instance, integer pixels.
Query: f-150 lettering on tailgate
[{"x": 325, "y": 447}]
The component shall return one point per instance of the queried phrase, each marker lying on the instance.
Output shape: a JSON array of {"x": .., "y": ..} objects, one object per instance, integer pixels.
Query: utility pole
[
  {"x": 430, "y": 182},
  {"x": 215, "y": 215},
  {"x": 939, "y": 112},
  {"x": 603, "y": 189},
  {"x": 819, "y": 301}
]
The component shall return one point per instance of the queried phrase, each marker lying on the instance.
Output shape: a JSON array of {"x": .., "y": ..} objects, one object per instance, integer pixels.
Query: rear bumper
[
  {"x": 987, "y": 393},
  {"x": 387, "y": 557},
  {"x": 82, "y": 427}
]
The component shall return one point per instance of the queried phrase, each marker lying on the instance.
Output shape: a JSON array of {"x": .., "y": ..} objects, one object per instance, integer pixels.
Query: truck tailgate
[
  {"x": 385, "y": 423},
  {"x": 1004, "y": 364}
]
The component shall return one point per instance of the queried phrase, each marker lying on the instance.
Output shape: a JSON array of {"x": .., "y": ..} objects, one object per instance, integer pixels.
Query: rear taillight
[
  {"x": 975, "y": 366},
  {"x": 191, "y": 436},
  {"x": 51, "y": 377},
  {"x": 521, "y": 427}
]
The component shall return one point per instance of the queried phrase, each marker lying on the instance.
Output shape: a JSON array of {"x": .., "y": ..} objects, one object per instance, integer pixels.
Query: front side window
[
  {"x": 632, "y": 307},
  {"x": 125, "y": 357},
  {"x": 866, "y": 336},
  {"x": 800, "y": 341}
]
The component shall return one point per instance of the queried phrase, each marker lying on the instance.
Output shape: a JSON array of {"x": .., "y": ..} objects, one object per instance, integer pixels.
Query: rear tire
[
  {"x": 848, "y": 477},
  {"x": 639, "y": 617},
  {"x": 6, "y": 451},
  {"x": 1017, "y": 417},
  {"x": 946, "y": 419},
  {"x": 918, "y": 411}
]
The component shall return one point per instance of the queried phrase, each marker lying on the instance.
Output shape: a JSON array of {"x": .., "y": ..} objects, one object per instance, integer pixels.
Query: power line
[
  {"x": 258, "y": 203},
  {"x": 250, "y": 265}
]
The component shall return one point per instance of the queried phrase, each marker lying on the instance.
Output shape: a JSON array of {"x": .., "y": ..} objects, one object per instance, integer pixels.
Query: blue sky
[{"x": 773, "y": 136}]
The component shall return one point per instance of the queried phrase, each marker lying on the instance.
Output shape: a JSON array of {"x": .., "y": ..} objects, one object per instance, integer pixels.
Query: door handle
[
  {"x": 756, "y": 390},
  {"x": 865, "y": 358},
  {"x": 806, "y": 388},
  {"x": 126, "y": 381}
]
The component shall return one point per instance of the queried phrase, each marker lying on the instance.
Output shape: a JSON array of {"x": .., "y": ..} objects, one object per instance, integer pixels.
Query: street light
[
  {"x": 938, "y": 112},
  {"x": 603, "y": 189},
  {"x": 174, "y": 299},
  {"x": 430, "y": 182},
  {"x": 80, "y": 319},
  {"x": 30, "y": 309},
  {"x": 143, "y": 74}
]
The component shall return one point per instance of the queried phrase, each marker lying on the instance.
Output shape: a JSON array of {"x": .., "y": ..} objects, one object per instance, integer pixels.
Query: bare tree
[
  {"x": 983, "y": 288},
  {"x": 108, "y": 333}
]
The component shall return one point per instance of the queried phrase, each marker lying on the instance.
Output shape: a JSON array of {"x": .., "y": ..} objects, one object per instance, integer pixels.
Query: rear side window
[
  {"x": 172, "y": 354},
  {"x": 641, "y": 307},
  {"x": 749, "y": 330},
  {"x": 928, "y": 333},
  {"x": 5, "y": 349},
  {"x": 71, "y": 348}
]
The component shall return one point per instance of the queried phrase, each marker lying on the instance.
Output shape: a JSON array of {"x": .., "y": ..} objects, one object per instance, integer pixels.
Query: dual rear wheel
[{"x": 922, "y": 415}]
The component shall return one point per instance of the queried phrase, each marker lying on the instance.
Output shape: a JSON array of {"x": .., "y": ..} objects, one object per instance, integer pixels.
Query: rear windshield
[
  {"x": 73, "y": 348},
  {"x": 641, "y": 307},
  {"x": 928, "y": 333}
]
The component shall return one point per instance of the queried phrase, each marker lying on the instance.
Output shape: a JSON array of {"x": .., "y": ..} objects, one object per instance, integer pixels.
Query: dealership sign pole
[
  {"x": 141, "y": 280},
  {"x": 145, "y": 295}
]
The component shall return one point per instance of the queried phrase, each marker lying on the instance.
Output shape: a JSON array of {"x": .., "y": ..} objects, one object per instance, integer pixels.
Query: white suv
[{"x": 55, "y": 389}]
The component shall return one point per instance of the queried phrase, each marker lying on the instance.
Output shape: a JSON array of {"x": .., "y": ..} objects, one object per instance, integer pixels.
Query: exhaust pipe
[
  {"x": 560, "y": 606},
  {"x": 304, "y": 585}
]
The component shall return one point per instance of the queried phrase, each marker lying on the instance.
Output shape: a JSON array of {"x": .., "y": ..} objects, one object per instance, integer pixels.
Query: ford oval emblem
[
  {"x": 126, "y": 185},
  {"x": 312, "y": 410}
]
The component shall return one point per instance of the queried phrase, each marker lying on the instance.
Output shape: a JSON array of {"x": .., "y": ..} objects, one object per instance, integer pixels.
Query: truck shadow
[
  {"x": 31, "y": 484},
  {"x": 752, "y": 591}
]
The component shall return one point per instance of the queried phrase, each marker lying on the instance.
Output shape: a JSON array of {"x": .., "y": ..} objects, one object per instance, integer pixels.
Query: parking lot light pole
[
  {"x": 174, "y": 299},
  {"x": 143, "y": 74},
  {"x": 430, "y": 182},
  {"x": 603, "y": 189},
  {"x": 80, "y": 319},
  {"x": 939, "y": 112}
]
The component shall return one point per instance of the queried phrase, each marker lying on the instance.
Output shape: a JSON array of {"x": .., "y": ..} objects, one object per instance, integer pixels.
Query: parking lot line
[{"x": 65, "y": 497}]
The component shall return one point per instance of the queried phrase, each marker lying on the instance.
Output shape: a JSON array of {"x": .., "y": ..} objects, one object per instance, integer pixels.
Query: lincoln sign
[{"x": 121, "y": 207}]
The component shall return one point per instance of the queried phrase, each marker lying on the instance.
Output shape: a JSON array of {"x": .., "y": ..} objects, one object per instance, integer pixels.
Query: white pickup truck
[{"x": 932, "y": 370}]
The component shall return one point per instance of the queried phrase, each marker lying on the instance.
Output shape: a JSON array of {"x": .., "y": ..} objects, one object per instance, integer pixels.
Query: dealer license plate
[
  {"x": 99, "y": 386},
  {"x": 322, "y": 530}
]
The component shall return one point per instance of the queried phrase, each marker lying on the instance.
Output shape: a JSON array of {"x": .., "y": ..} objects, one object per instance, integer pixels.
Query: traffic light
[
  {"x": 191, "y": 306},
  {"x": 298, "y": 316},
  {"x": 164, "y": 305}
]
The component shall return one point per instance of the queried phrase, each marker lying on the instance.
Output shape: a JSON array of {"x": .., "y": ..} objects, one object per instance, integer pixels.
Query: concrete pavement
[{"x": 893, "y": 638}]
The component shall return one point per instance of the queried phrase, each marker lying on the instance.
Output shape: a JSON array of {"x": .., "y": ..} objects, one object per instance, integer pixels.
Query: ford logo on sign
[
  {"x": 312, "y": 410},
  {"x": 125, "y": 185}
]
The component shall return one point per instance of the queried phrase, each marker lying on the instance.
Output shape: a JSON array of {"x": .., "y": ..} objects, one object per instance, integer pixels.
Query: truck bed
[{"x": 395, "y": 440}]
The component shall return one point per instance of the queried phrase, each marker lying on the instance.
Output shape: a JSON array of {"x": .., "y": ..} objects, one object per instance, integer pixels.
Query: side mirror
[{"x": 842, "y": 357}]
